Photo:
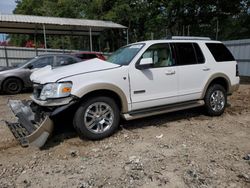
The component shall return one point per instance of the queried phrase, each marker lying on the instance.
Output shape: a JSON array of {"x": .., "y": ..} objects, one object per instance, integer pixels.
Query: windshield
[
  {"x": 124, "y": 55},
  {"x": 26, "y": 62},
  {"x": 21, "y": 64}
]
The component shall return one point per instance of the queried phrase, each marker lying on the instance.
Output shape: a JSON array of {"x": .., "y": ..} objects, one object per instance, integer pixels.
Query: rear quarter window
[{"x": 220, "y": 52}]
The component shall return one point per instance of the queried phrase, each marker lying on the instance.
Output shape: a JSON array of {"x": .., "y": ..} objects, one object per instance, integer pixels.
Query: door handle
[
  {"x": 206, "y": 69},
  {"x": 170, "y": 72}
]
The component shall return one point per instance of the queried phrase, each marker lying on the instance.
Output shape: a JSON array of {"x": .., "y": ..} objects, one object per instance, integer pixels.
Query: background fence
[
  {"x": 14, "y": 55},
  {"x": 241, "y": 51}
]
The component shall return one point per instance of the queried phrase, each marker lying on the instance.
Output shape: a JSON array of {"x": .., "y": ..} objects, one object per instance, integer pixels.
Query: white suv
[{"x": 138, "y": 80}]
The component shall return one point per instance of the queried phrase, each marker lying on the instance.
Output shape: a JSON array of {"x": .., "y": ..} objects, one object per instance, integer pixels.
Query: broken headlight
[{"x": 56, "y": 90}]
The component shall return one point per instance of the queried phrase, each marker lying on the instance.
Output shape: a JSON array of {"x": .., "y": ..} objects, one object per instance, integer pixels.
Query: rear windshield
[{"x": 220, "y": 52}]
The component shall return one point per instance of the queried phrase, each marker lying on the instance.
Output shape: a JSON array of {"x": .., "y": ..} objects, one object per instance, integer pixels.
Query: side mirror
[
  {"x": 145, "y": 63},
  {"x": 30, "y": 66}
]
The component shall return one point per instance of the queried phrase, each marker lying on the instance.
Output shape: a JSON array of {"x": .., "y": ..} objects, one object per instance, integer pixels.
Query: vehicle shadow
[
  {"x": 163, "y": 119},
  {"x": 64, "y": 129}
]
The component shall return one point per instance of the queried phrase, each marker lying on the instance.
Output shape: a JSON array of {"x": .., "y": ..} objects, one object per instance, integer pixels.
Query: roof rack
[{"x": 187, "y": 38}]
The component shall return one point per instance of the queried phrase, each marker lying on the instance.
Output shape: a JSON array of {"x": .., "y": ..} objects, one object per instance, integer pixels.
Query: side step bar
[{"x": 162, "y": 109}]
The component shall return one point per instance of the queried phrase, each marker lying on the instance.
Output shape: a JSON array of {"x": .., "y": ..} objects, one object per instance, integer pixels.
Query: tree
[
  {"x": 56, "y": 8},
  {"x": 147, "y": 19}
]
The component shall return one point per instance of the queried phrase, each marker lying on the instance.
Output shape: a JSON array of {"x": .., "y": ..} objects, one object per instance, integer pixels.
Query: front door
[{"x": 156, "y": 85}]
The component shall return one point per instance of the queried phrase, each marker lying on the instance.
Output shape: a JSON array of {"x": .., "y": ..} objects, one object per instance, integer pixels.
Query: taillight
[{"x": 237, "y": 70}]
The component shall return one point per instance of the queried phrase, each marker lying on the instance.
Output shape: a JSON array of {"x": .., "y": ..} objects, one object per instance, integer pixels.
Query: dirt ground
[{"x": 181, "y": 149}]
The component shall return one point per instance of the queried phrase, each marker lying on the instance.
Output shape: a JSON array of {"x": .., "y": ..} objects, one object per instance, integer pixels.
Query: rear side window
[
  {"x": 189, "y": 53},
  {"x": 220, "y": 52},
  {"x": 65, "y": 60}
]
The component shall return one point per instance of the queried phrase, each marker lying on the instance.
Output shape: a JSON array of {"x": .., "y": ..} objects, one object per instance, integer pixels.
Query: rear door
[{"x": 192, "y": 68}]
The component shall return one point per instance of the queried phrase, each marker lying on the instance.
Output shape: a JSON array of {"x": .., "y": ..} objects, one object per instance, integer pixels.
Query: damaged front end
[{"x": 34, "y": 125}]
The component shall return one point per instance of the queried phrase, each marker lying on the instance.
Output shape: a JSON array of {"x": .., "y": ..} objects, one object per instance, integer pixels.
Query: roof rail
[{"x": 187, "y": 38}]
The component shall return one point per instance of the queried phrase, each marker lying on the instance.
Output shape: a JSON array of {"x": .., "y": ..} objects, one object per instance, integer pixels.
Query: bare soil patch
[{"x": 181, "y": 149}]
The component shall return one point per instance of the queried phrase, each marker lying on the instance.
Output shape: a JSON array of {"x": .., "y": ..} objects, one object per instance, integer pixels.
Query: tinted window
[
  {"x": 65, "y": 60},
  {"x": 160, "y": 54},
  {"x": 220, "y": 52},
  {"x": 91, "y": 56},
  {"x": 199, "y": 54},
  {"x": 186, "y": 54},
  {"x": 42, "y": 62},
  {"x": 86, "y": 56}
]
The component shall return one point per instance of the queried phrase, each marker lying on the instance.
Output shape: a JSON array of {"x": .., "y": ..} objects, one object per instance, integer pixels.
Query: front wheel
[
  {"x": 97, "y": 118},
  {"x": 215, "y": 100}
]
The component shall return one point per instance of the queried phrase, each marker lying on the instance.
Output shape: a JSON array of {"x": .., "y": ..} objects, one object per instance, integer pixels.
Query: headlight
[{"x": 56, "y": 90}]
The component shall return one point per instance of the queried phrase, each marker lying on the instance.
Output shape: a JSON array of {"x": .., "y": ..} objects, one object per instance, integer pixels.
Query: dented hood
[{"x": 48, "y": 74}]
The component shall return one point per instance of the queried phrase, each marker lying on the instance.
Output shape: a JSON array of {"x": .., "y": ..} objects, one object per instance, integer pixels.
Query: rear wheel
[
  {"x": 12, "y": 86},
  {"x": 97, "y": 118},
  {"x": 215, "y": 100}
]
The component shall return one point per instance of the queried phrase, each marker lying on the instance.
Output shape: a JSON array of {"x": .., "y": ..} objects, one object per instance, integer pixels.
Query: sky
[{"x": 6, "y": 7}]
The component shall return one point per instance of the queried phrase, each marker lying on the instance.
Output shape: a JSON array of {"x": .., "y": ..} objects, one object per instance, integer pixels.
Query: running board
[{"x": 162, "y": 109}]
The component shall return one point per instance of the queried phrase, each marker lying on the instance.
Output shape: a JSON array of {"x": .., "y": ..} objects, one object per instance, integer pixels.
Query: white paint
[{"x": 162, "y": 85}]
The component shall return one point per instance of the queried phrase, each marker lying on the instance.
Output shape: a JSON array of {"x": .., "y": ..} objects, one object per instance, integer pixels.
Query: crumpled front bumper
[{"x": 34, "y": 125}]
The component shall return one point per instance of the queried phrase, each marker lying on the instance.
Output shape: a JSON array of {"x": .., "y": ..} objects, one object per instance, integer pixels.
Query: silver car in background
[{"x": 15, "y": 79}]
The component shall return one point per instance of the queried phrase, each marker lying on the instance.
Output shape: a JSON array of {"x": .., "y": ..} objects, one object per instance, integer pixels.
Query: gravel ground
[{"x": 181, "y": 149}]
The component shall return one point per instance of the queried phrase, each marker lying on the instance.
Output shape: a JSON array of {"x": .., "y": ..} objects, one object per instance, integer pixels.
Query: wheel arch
[
  {"x": 108, "y": 90},
  {"x": 219, "y": 78}
]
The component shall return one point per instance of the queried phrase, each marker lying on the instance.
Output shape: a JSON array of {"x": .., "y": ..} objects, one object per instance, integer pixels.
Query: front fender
[{"x": 104, "y": 86}]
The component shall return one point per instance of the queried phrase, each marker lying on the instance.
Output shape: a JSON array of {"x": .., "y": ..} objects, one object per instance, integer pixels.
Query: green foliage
[
  {"x": 145, "y": 19},
  {"x": 56, "y": 8},
  {"x": 156, "y": 19}
]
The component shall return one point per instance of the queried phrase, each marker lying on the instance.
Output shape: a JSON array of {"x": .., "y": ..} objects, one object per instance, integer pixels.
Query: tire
[
  {"x": 12, "y": 86},
  {"x": 95, "y": 124},
  {"x": 215, "y": 100}
]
